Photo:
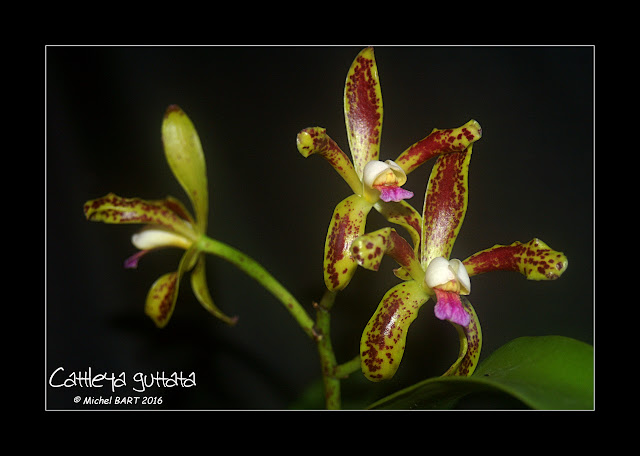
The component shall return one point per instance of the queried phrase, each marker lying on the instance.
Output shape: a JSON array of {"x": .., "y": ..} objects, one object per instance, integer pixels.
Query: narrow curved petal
[
  {"x": 470, "y": 344},
  {"x": 369, "y": 249},
  {"x": 316, "y": 141},
  {"x": 403, "y": 214},
  {"x": 112, "y": 208},
  {"x": 383, "y": 340},
  {"x": 445, "y": 205},
  {"x": 201, "y": 290},
  {"x": 363, "y": 109},
  {"x": 534, "y": 259},
  {"x": 347, "y": 223},
  {"x": 162, "y": 296},
  {"x": 185, "y": 157},
  {"x": 439, "y": 142}
]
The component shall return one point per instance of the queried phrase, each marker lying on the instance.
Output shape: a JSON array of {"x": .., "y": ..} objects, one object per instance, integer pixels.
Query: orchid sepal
[
  {"x": 369, "y": 249},
  {"x": 439, "y": 142},
  {"x": 315, "y": 140},
  {"x": 534, "y": 259},
  {"x": 363, "y": 109},
  {"x": 445, "y": 205},
  {"x": 201, "y": 291},
  {"x": 185, "y": 157},
  {"x": 403, "y": 214},
  {"x": 470, "y": 337},
  {"x": 383, "y": 341},
  {"x": 162, "y": 296},
  {"x": 112, "y": 208},
  {"x": 347, "y": 223},
  {"x": 161, "y": 299}
]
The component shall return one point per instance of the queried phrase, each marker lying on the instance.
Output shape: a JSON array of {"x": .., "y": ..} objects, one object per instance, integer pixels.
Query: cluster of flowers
[{"x": 426, "y": 270}]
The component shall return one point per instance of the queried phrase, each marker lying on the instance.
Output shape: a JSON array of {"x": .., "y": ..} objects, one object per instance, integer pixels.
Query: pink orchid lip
[
  {"x": 449, "y": 307},
  {"x": 393, "y": 193}
]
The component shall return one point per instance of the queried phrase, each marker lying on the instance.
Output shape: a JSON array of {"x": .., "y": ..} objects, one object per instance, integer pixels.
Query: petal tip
[{"x": 171, "y": 109}]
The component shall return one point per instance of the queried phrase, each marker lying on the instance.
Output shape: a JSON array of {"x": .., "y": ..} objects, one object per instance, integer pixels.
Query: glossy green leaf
[{"x": 546, "y": 373}]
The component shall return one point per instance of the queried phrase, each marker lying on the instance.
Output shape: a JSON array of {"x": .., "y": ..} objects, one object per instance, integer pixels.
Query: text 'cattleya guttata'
[
  {"x": 168, "y": 223},
  {"x": 375, "y": 184},
  {"x": 431, "y": 274}
]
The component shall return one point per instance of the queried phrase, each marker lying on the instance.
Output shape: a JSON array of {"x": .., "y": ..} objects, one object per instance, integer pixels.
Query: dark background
[{"x": 532, "y": 175}]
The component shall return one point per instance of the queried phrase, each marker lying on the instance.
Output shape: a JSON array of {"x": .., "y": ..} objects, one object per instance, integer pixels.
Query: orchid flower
[
  {"x": 168, "y": 223},
  {"x": 375, "y": 184},
  {"x": 433, "y": 275}
]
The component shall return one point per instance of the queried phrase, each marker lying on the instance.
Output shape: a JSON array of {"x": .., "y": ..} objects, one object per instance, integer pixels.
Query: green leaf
[{"x": 548, "y": 373}]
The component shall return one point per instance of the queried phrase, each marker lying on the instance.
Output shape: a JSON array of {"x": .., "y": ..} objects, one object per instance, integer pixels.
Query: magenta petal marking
[
  {"x": 393, "y": 193},
  {"x": 132, "y": 261},
  {"x": 449, "y": 307}
]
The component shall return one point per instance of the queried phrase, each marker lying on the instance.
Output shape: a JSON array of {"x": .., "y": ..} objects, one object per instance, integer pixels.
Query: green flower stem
[
  {"x": 254, "y": 270},
  {"x": 348, "y": 368},
  {"x": 319, "y": 332},
  {"x": 325, "y": 350}
]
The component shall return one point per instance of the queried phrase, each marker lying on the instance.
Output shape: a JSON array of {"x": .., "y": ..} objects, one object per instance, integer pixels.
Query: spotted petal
[
  {"x": 383, "y": 340},
  {"x": 185, "y": 157},
  {"x": 168, "y": 213},
  {"x": 403, "y": 214},
  {"x": 363, "y": 109},
  {"x": 369, "y": 249},
  {"x": 534, "y": 259},
  {"x": 445, "y": 205},
  {"x": 470, "y": 344},
  {"x": 347, "y": 223},
  {"x": 316, "y": 141},
  {"x": 162, "y": 296},
  {"x": 439, "y": 142}
]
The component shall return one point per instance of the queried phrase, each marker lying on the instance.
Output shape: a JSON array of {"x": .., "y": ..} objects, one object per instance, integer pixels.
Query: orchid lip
[
  {"x": 150, "y": 238},
  {"x": 450, "y": 308},
  {"x": 393, "y": 193}
]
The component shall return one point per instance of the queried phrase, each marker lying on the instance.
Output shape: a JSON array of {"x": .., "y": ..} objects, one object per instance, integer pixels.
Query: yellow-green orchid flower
[
  {"x": 375, "y": 184},
  {"x": 432, "y": 274},
  {"x": 168, "y": 223}
]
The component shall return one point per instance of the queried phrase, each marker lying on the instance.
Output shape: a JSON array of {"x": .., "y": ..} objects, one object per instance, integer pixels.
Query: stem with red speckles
[
  {"x": 325, "y": 350},
  {"x": 254, "y": 270},
  {"x": 332, "y": 373}
]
